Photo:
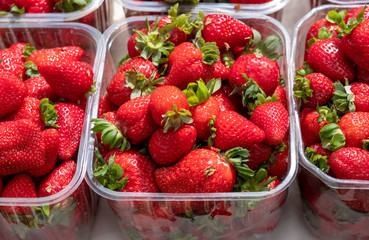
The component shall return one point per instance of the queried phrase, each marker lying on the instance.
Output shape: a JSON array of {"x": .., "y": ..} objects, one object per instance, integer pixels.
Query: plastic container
[
  {"x": 94, "y": 14},
  {"x": 315, "y": 3},
  {"x": 134, "y": 7},
  {"x": 237, "y": 215},
  {"x": 333, "y": 208},
  {"x": 69, "y": 213}
]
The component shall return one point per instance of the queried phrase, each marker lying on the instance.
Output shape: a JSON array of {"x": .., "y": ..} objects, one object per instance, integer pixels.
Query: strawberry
[
  {"x": 273, "y": 119},
  {"x": 37, "y": 87},
  {"x": 350, "y": 163},
  {"x": 58, "y": 179},
  {"x": 13, "y": 90},
  {"x": 315, "y": 28},
  {"x": 249, "y": 64},
  {"x": 362, "y": 75},
  {"x": 355, "y": 127},
  {"x": 20, "y": 186},
  {"x": 135, "y": 121},
  {"x": 11, "y": 63},
  {"x": 225, "y": 31},
  {"x": 167, "y": 148},
  {"x": 105, "y": 105},
  {"x": 279, "y": 164},
  {"x": 110, "y": 117},
  {"x": 314, "y": 89},
  {"x": 200, "y": 171},
  {"x": 137, "y": 172},
  {"x": 318, "y": 148},
  {"x": 42, "y": 6},
  {"x": 280, "y": 92},
  {"x": 169, "y": 107},
  {"x": 354, "y": 12},
  {"x": 328, "y": 57},
  {"x": 233, "y": 130},
  {"x": 224, "y": 101},
  {"x": 361, "y": 96},
  {"x": 30, "y": 109},
  {"x": 21, "y": 147},
  {"x": 51, "y": 138},
  {"x": 69, "y": 79},
  {"x": 259, "y": 153},
  {"x": 310, "y": 127},
  {"x": 70, "y": 122},
  {"x": 71, "y": 53}
]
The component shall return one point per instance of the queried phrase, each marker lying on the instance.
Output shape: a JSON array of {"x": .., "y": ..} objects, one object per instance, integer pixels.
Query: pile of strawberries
[
  {"x": 42, "y": 109},
  {"x": 195, "y": 107}
]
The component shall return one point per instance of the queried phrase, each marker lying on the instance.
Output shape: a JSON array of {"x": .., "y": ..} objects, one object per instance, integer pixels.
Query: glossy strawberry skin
[
  {"x": 162, "y": 100},
  {"x": 167, "y": 148},
  {"x": 69, "y": 79},
  {"x": 189, "y": 174},
  {"x": 70, "y": 122},
  {"x": 202, "y": 114},
  {"x": 224, "y": 102},
  {"x": 322, "y": 87},
  {"x": 259, "y": 153},
  {"x": 314, "y": 29},
  {"x": 137, "y": 168},
  {"x": 12, "y": 91},
  {"x": 20, "y": 186},
  {"x": 328, "y": 57},
  {"x": 71, "y": 53},
  {"x": 37, "y": 87},
  {"x": 279, "y": 167},
  {"x": 131, "y": 44},
  {"x": 273, "y": 119},
  {"x": 281, "y": 96},
  {"x": 11, "y": 63},
  {"x": 105, "y": 105},
  {"x": 225, "y": 31},
  {"x": 262, "y": 70},
  {"x": 234, "y": 130},
  {"x": 355, "y": 127},
  {"x": 354, "y": 12},
  {"x": 134, "y": 119},
  {"x": 361, "y": 92},
  {"x": 310, "y": 127},
  {"x": 350, "y": 163},
  {"x": 318, "y": 148},
  {"x": 362, "y": 75},
  {"x": 21, "y": 148},
  {"x": 177, "y": 35}
]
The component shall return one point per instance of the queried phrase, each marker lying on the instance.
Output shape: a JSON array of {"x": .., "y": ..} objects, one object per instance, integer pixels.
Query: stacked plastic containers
[
  {"x": 96, "y": 14},
  {"x": 69, "y": 213},
  {"x": 332, "y": 207},
  {"x": 273, "y": 8},
  {"x": 315, "y": 3},
  {"x": 249, "y": 214}
]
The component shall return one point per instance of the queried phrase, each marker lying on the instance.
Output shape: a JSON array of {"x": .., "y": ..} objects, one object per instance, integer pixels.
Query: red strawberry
[
  {"x": 69, "y": 79},
  {"x": 279, "y": 166},
  {"x": 51, "y": 138},
  {"x": 234, "y": 130},
  {"x": 11, "y": 63},
  {"x": 21, "y": 147},
  {"x": 17, "y": 48},
  {"x": 310, "y": 127},
  {"x": 259, "y": 153},
  {"x": 318, "y": 148},
  {"x": 177, "y": 35},
  {"x": 70, "y": 122},
  {"x": 131, "y": 44},
  {"x": 350, "y": 163},
  {"x": 273, "y": 119},
  {"x": 327, "y": 56},
  {"x": 314, "y": 89},
  {"x": 30, "y": 109},
  {"x": 281, "y": 96},
  {"x": 12, "y": 91},
  {"x": 251, "y": 65},
  {"x": 37, "y": 87},
  {"x": 167, "y": 148},
  {"x": 200, "y": 171},
  {"x": 314, "y": 30},
  {"x": 361, "y": 96},
  {"x": 111, "y": 117},
  {"x": 58, "y": 179},
  {"x": 354, "y": 12},
  {"x": 225, "y": 31},
  {"x": 362, "y": 75},
  {"x": 71, "y": 53},
  {"x": 105, "y": 105},
  {"x": 224, "y": 102},
  {"x": 163, "y": 99},
  {"x": 20, "y": 186},
  {"x": 355, "y": 127},
  {"x": 135, "y": 121}
]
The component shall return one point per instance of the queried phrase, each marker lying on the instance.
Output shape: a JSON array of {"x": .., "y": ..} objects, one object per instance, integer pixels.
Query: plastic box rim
[
  {"x": 152, "y": 6},
  {"x": 303, "y": 161},
  {"x": 130, "y": 196},
  {"x": 53, "y": 17},
  {"x": 83, "y": 154}
]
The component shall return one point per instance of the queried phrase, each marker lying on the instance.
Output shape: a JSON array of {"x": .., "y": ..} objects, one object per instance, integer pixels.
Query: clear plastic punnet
[
  {"x": 94, "y": 14},
  {"x": 315, "y": 3},
  {"x": 69, "y": 213},
  {"x": 135, "y": 8},
  {"x": 246, "y": 215},
  {"x": 333, "y": 208}
]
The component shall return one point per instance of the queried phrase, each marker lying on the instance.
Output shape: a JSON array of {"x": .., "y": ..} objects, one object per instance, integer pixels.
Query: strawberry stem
[
  {"x": 48, "y": 113},
  {"x": 318, "y": 160},
  {"x": 176, "y": 118},
  {"x": 343, "y": 98}
]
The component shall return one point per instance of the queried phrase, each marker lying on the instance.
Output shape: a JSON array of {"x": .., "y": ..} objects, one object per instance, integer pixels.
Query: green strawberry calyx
[
  {"x": 71, "y": 5},
  {"x": 199, "y": 92},
  {"x": 239, "y": 157},
  {"x": 176, "y": 118},
  {"x": 109, "y": 175},
  {"x": 304, "y": 70},
  {"x": 28, "y": 50},
  {"x": 276, "y": 149},
  {"x": 228, "y": 58},
  {"x": 365, "y": 143},
  {"x": 302, "y": 88},
  {"x": 327, "y": 114},
  {"x": 31, "y": 70},
  {"x": 154, "y": 44},
  {"x": 183, "y": 21},
  {"x": 140, "y": 84},
  {"x": 332, "y": 137},
  {"x": 322, "y": 34},
  {"x": 48, "y": 113},
  {"x": 210, "y": 51},
  {"x": 110, "y": 134},
  {"x": 343, "y": 98},
  {"x": 318, "y": 160},
  {"x": 338, "y": 18},
  {"x": 212, "y": 130},
  {"x": 256, "y": 183}
]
